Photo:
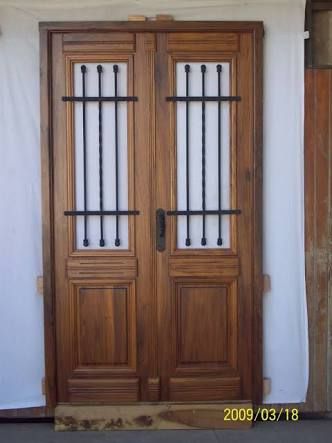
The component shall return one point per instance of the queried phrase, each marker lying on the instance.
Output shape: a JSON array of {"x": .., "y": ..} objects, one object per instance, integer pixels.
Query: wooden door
[{"x": 154, "y": 211}]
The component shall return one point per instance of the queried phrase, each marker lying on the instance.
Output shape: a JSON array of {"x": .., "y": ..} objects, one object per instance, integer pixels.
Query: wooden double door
[{"x": 155, "y": 222}]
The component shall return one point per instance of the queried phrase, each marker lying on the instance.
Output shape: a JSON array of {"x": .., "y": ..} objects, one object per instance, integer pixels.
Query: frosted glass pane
[
  {"x": 92, "y": 137},
  {"x": 195, "y": 154}
]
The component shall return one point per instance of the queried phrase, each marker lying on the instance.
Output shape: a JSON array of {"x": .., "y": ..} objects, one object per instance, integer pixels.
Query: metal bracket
[
  {"x": 266, "y": 283},
  {"x": 40, "y": 285},
  {"x": 266, "y": 386}
]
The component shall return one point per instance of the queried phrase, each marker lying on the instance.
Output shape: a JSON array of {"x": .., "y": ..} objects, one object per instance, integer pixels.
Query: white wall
[{"x": 21, "y": 318}]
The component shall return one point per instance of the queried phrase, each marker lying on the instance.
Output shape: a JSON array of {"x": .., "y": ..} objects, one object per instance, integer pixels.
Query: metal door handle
[{"x": 161, "y": 229}]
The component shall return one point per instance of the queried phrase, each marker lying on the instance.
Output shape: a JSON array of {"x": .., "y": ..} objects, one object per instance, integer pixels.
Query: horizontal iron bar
[
  {"x": 133, "y": 212},
  {"x": 231, "y": 98},
  {"x": 67, "y": 98},
  {"x": 206, "y": 212}
]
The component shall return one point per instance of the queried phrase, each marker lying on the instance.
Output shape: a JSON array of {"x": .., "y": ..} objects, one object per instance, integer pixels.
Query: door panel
[
  {"x": 134, "y": 323},
  {"x": 205, "y": 285},
  {"x": 97, "y": 279}
]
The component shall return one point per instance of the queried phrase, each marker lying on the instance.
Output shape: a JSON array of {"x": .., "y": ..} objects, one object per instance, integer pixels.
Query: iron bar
[
  {"x": 206, "y": 212},
  {"x": 119, "y": 98},
  {"x": 117, "y": 239},
  {"x": 219, "y": 240},
  {"x": 85, "y": 213},
  {"x": 85, "y": 240},
  {"x": 232, "y": 98},
  {"x": 187, "y": 70},
  {"x": 100, "y": 139},
  {"x": 203, "y": 240}
]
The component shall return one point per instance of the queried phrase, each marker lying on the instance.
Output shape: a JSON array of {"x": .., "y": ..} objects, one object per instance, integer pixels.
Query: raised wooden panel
[
  {"x": 211, "y": 41},
  {"x": 204, "y": 267},
  {"x": 202, "y": 324},
  {"x": 117, "y": 390},
  {"x": 99, "y": 42},
  {"x": 207, "y": 388},
  {"x": 102, "y": 268},
  {"x": 206, "y": 317},
  {"x": 102, "y": 326}
]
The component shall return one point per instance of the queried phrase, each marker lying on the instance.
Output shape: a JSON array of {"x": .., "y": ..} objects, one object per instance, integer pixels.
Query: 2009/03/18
[{"x": 263, "y": 414}]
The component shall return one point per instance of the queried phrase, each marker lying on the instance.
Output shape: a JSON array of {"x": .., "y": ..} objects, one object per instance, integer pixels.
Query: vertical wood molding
[
  {"x": 47, "y": 214},
  {"x": 318, "y": 123}
]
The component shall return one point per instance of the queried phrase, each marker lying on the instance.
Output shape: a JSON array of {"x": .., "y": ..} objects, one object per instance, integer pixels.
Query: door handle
[{"x": 161, "y": 229}]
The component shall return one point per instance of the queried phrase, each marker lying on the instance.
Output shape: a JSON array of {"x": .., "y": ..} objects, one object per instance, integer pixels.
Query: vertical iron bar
[
  {"x": 203, "y": 71},
  {"x": 85, "y": 240},
  {"x": 187, "y": 70},
  {"x": 100, "y": 129},
  {"x": 219, "y": 241},
  {"x": 117, "y": 239}
]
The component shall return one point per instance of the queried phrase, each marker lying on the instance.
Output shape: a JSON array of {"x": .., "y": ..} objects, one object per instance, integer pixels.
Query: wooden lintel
[{"x": 150, "y": 416}]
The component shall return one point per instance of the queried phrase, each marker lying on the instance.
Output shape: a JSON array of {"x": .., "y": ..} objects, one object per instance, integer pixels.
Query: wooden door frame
[{"x": 47, "y": 29}]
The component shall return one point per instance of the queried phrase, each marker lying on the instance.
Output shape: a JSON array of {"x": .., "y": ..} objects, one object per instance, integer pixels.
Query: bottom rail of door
[{"x": 154, "y": 416}]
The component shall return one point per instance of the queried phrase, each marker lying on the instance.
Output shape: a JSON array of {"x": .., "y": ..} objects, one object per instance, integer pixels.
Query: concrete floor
[{"x": 315, "y": 431}]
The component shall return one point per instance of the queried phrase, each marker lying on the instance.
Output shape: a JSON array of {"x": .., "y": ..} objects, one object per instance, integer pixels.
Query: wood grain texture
[
  {"x": 148, "y": 416},
  {"x": 119, "y": 316},
  {"x": 194, "y": 42},
  {"x": 99, "y": 42},
  {"x": 102, "y": 326},
  {"x": 206, "y": 328},
  {"x": 47, "y": 217},
  {"x": 154, "y": 389},
  {"x": 102, "y": 268},
  {"x": 40, "y": 412},
  {"x": 144, "y": 184},
  {"x": 153, "y": 26},
  {"x": 211, "y": 388},
  {"x": 245, "y": 250},
  {"x": 202, "y": 324},
  {"x": 99, "y": 391},
  {"x": 257, "y": 238},
  {"x": 204, "y": 267},
  {"x": 318, "y": 187}
]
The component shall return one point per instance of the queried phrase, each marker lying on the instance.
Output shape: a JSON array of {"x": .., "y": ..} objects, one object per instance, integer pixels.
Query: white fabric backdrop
[{"x": 21, "y": 318}]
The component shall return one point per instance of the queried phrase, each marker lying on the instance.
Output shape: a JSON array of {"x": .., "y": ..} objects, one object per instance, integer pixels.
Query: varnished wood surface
[
  {"x": 318, "y": 187},
  {"x": 153, "y": 26},
  {"x": 40, "y": 412},
  {"x": 180, "y": 294},
  {"x": 47, "y": 218},
  {"x": 139, "y": 325}
]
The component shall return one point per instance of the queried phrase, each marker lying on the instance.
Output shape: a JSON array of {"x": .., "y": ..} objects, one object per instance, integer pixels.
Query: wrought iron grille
[
  {"x": 101, "y": 212},
  {"x": 204, "y": 212}
]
